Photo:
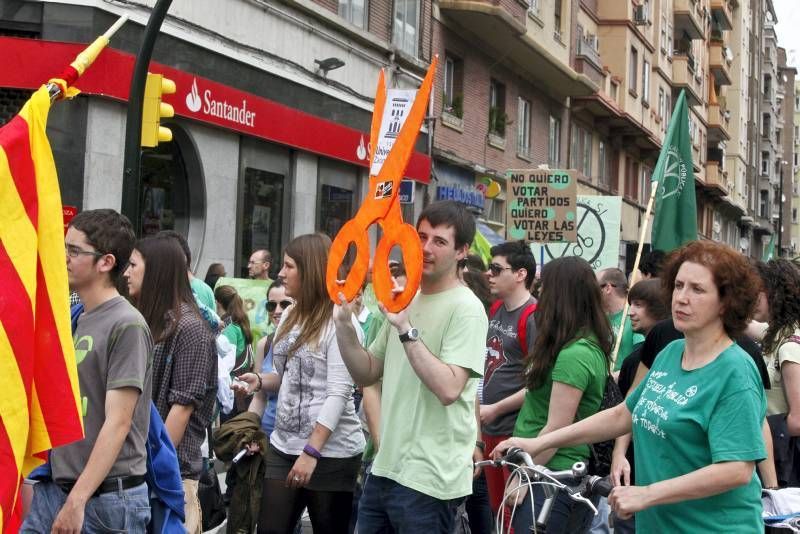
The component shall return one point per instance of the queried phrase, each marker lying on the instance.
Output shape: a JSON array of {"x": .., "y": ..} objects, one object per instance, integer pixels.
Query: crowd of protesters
[{"x": 372, "y": 420}]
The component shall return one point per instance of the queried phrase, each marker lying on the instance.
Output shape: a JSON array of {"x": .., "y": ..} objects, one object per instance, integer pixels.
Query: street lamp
[{"x": 328, "y": 64}]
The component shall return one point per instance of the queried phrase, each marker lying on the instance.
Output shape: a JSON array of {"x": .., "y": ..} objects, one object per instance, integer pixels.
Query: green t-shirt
[
  {"x": 687, "y": 420},
  {"x": 425, "y": 445},
  {"x": 233, "y": 332},
  {"x": 582, "y": 365},
  {"x": 203, "y": 293},
  {"x": 629, "y": 338}
]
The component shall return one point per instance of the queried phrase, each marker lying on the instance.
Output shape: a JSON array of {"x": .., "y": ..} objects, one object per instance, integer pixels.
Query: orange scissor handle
[
  {"x": 354, "y": 232},
  {"x": 396, "y": 232}
]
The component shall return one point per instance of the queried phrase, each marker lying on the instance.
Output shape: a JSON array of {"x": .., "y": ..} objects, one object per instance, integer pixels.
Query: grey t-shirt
[
  {"x": 503, "y": 373},
  {"x": 114, "y": 349}
]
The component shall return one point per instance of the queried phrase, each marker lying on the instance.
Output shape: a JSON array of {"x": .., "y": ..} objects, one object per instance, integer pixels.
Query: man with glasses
[
  {"x": 614, "y": 289},
  {"x": 511, "y": 333},
  {"x": 259, "y": 264},
  {"x": 98, "y": 483}
]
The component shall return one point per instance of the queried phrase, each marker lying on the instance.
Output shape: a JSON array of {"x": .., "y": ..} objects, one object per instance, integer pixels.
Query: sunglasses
[
  {"x": 272, "y": 305},
  {"x": 496, "y": 269}
]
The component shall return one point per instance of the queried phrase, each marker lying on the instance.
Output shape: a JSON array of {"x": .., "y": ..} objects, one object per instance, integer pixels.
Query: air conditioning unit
[{"x": 640, "y": 15}]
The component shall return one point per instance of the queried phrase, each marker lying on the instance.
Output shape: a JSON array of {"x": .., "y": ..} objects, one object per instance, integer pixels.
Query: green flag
[
  {"x": 481, "y": 247},
  {"x": 769, "y": 252},
  {"x": 675, "y": 220}
]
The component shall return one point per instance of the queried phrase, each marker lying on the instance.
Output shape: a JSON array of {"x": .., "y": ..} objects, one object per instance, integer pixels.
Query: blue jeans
[
  {"x": 387, "y": 506},
  {"x": 566, "y": 516},
  {"x": 117, "y": 511},
  {"x": 481, "y": 520}
]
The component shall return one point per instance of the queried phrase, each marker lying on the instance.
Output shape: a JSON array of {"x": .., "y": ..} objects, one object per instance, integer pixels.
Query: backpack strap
[
  {"x": 522, "y": 326},
  {"x": 494, "y": 307}
]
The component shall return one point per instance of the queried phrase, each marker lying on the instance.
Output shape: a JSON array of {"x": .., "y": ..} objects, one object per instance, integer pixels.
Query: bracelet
[
  {"x": 260, "y": 383},
  {"x": 311, "y": 451},
  {"x": 480, "y": 445}
]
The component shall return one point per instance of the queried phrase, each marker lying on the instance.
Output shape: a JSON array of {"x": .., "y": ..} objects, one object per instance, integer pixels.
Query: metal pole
[{"x": 131, "y": 179}]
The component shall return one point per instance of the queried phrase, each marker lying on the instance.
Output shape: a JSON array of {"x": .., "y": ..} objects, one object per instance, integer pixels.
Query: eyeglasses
[
  {"x": 496, "y": 269},
  {"x": 73, "y": 252},
  {"x": 273, "y": 304}
]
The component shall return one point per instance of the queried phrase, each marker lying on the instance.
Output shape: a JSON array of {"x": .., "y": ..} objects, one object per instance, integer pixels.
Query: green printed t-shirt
[
  {"x": 233, "y": 332},
  {"x": 629, "y": 338},
  {"x": 686, "y": 420},
  {"x": 582, "y": 365},
  {"x": 425, "y": 445}
]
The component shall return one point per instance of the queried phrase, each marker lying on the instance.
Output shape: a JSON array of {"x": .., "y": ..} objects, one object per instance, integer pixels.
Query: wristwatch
[{"x": 411, "y": 335}]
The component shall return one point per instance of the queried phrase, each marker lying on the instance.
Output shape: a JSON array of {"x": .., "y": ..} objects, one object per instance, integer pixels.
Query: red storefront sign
[
  {"x": 69, "y": 213},
  {"x": 28, "y": 63}
]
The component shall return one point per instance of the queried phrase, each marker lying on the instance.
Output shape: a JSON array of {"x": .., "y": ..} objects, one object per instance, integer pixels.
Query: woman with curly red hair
[{"x": 697, "y": 415}]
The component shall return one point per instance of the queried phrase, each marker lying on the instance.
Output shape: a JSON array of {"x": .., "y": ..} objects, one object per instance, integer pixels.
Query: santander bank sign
[{"x": 221, "y": 109}]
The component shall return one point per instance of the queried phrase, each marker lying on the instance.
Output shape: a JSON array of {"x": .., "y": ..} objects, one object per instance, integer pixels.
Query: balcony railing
[
  {"x": 587, "y": 47},
  {"x": 721, "y": 12}
]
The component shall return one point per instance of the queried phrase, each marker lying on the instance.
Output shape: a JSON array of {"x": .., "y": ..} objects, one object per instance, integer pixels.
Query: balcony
[
  {"x": 721, "y": 13},
  {"x": 718, "y": 63},
  {"x": 716, "y": 178},
  {"x": 687, "y": 18},
  {"x": 501, "y": 25},
  {"x": 683, "y": 78},
  {"x": 718, "y": 122}
]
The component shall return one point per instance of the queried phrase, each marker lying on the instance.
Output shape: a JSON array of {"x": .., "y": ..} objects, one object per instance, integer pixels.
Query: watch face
[{"x": 413, "y": 334}]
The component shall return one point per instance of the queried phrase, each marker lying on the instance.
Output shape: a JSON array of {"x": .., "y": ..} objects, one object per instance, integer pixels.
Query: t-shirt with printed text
[
  {"x": 425, "y": 445},
  {"x": 686, "y": 420}
]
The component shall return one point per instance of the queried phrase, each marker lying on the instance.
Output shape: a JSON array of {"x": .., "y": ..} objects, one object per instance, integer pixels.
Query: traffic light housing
[{"x": 154, "y": 110}]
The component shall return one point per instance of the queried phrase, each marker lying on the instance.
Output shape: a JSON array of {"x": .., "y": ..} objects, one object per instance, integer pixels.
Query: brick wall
[
  {"x": 331, "y": 5},
  {"x": 380, "y": 19},
  {"x": 514, "y": 8},
  {"x": 471, "y": 144}
]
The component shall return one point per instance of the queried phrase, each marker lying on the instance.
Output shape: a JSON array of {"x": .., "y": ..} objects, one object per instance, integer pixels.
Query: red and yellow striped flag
[{"x": 39, "y": 396}]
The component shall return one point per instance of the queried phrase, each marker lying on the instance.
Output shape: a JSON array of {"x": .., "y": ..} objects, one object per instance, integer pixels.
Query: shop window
[
  {"x": 168, "y": 201},
  {"x": 262, "y": 217},
  {"x": 337, "y": 194}
]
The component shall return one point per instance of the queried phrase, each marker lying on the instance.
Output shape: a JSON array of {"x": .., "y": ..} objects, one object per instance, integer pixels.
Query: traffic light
[{"x": 153, "y": 110}]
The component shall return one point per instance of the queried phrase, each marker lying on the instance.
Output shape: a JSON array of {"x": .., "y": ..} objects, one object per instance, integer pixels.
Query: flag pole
[
  {"x": 57, "y": 87},
  {"x": 635, "y": 273}
]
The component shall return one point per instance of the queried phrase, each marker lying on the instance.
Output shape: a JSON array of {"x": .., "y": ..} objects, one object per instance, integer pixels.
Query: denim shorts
[{"x": 125, "y": 510}]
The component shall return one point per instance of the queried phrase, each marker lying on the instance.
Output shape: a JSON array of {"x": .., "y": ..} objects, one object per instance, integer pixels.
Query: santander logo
[
  {"x": 193, "y": 98},
  {"x": 219, "y": 108}
]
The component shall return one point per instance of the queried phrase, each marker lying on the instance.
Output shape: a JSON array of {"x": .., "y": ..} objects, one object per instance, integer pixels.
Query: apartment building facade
[
  {"x": 786, "y": 75},
  {"x": 794, "y": 194}
]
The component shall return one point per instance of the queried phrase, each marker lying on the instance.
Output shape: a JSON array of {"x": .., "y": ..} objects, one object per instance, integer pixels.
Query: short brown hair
[
  {"x": 650, "y": 294},
  {"x": 736, "y": 280}
]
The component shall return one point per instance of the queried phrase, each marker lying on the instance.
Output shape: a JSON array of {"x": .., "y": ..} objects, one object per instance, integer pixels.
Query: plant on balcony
[
  {"x": 497, "y": 121},
  {"x": 456, "y": 107}
]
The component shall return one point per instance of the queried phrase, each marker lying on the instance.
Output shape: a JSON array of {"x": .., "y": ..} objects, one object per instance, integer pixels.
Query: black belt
[{"x": 108, "y": 485}]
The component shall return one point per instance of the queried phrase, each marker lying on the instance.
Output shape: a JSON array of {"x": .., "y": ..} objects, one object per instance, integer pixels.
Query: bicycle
[{"x": 525, "y": 473}]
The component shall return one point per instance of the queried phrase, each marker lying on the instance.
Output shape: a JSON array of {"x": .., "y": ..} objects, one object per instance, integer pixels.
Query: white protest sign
[
  {"x": 398, "y": 104},
  {"x": 598, "y": 234}
]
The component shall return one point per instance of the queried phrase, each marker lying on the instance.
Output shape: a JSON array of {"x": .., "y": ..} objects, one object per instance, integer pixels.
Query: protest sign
[
  {"x": 597, "y": 234},
  {"x": 541, "y": 205}
]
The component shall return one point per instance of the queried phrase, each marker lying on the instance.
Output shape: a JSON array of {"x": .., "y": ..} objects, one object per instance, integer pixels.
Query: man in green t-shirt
[
  {"x": 614, "y": 288},
  {"x": 430, "y": 357}
]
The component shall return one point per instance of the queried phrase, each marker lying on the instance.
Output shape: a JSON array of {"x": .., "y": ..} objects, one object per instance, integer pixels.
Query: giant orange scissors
[{"x": 382, "y": 205}]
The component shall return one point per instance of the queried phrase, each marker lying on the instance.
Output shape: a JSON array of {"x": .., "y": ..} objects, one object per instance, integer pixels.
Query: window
[
  {"x": 533, "y": 6},
  {"x": 453, "y": 85},
  {"x": 523, "y": 127},
  {"x": 631, "y": 178},
  {"x": 762, "y": 204},
  {"x": 644, "y": 184},
  {"x": 766, "y": 123},
  {"x": 603, "y": 166},
  {"x": 662, "y": 105},
  {"x": 664, "y": 48},
  {"x": 497, "y": 108},
  {"x": 574, "y": 146},
  {"x": 406, "y": 24},
  {"x": 795, "y": 159},
  {"x": 354, "y": 12},
  {"x": 794, "y": 215},
  {"x": 767, "y": 85},
  {"x": 646, "y": 81},
  {"x": 557, "y": 19},
  {"x": 554, "y": 143},
  {"x": 586, "y": 167},
  {"x": 765, "y": 163},
  {"x": 633, "y": 69}
]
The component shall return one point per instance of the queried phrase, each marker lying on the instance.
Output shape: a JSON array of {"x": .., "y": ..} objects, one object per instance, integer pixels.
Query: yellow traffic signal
[{"x": 153, "y": 110}]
